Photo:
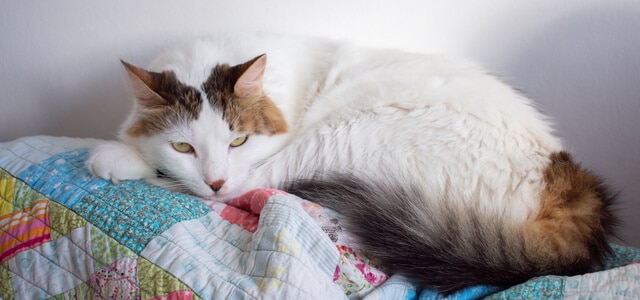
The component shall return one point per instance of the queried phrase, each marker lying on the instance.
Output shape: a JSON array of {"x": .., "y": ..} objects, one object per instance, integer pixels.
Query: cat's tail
[{"x": 447, "y": 248}]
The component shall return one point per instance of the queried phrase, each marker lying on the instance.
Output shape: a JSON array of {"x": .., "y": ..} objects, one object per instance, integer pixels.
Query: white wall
[{"x": 580, "y": 59}]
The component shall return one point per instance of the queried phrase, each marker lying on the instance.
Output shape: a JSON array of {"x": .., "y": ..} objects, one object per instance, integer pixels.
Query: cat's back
[{"x": 364, "y": 79}]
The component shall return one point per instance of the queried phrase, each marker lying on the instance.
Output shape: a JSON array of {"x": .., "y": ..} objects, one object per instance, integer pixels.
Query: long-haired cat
[{"x": 444, "y": 173}]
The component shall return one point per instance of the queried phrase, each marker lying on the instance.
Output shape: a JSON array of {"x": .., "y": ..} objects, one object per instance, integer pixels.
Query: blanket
[{"x": 66, "y": 234}]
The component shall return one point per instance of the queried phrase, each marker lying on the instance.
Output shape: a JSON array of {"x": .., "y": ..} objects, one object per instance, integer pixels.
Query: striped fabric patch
[{"x": 24, "y": 229}]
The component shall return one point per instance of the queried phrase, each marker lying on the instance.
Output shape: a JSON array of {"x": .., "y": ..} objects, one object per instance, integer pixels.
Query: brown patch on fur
[
  {"x": 569, "y": 233},
  {"x": 253, "y": 113},
  {"x": 163, "y": 101}
]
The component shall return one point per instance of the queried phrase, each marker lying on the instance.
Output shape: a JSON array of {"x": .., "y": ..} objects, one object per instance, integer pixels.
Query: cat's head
[{"x": 203, "y": 139}]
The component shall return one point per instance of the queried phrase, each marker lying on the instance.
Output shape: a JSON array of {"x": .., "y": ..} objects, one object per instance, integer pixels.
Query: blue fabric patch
[
  {"x": 63, "y": 177},
  {"x": 621, "y": 256},
  {"x": 121, "y": 211},
  {"x": 474, "y": 292},
  {"x": 545, "y": 287}
]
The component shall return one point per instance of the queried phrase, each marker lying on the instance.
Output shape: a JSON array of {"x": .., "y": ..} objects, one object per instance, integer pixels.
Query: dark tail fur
[{"x": 449, "y": 248}]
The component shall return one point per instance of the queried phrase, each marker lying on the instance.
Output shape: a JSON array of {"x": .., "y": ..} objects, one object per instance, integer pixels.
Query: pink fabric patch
[
  {"x": 24, "y": 229},
  {"x": 119, "y": 280},
  {"x": 245, "y": 210}
]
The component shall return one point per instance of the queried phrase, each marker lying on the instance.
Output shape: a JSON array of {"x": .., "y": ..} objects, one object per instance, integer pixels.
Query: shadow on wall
[{"x": 584, "y": 71}]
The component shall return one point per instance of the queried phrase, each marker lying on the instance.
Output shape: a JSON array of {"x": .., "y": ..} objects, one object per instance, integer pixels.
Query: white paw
[{"x": 116, "y": 161}]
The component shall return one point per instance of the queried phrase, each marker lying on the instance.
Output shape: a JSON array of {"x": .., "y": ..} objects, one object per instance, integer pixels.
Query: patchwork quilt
[{"x": 66, "y": 234}]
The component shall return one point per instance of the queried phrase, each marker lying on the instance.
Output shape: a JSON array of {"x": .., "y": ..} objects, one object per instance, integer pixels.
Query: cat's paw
[{"x": 116, "y": 161}]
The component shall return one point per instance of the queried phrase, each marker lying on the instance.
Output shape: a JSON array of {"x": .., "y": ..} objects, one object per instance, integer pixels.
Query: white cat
[{"x": 423, "y": 154}]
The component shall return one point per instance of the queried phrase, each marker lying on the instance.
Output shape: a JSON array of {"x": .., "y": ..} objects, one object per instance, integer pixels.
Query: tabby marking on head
[
  {"x": 237, "y": 92},
  {"x": 163, "y": 101}
]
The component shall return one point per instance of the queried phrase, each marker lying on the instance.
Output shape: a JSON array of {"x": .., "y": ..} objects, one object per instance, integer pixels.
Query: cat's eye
[
  {"x": 239, "y": 141},
  {"x": 182, "y": 147}
]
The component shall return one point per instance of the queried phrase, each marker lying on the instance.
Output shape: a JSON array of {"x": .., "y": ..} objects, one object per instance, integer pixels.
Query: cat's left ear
[
  {"x": 250, "y": 81},
  {"x": 145, "y": 84}
]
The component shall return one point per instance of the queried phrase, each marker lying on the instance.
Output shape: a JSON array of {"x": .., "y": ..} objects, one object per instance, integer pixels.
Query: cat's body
[{"x": 473, "y": 170}]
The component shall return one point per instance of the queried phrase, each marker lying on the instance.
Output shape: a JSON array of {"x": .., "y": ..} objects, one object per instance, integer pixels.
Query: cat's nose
[{"x": 216, "y": 185}]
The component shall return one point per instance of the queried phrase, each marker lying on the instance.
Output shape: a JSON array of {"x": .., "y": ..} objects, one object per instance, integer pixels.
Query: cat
[{"x": 446, "y": 174}]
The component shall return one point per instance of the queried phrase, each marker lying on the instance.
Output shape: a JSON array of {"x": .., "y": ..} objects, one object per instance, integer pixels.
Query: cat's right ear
[
  {"x": 144, "y": 85},
  {"x": 250, "y": 82}
]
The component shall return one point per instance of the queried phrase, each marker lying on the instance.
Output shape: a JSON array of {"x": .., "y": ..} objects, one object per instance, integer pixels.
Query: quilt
[{"x": 65, "y": 234}]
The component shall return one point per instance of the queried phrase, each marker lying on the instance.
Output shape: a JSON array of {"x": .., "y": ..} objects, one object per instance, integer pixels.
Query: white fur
[{"x": 463, "y": 134}]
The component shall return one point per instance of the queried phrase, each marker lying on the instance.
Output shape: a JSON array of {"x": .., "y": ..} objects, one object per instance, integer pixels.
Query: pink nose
[{"x": 216, "y": 185}]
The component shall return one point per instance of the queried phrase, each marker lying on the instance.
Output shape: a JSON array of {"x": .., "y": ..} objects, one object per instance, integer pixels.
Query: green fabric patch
[
  {"x": 106, "y": 250},
  {"x": 6, "y": 289},
  {"x": 155, "y": 281},
  {"x": 15, "y": 194},
  {"x": 63, "y": 220}
]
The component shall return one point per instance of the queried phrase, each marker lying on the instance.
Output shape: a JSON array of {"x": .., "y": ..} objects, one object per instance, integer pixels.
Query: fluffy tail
[{"x": 448, "y": 248}]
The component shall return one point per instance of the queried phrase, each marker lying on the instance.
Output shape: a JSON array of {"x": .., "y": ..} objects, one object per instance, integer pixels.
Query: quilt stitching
[
  {"x": 221, "y": 264},
  {"x": 107, "y": 205},
  {"x": 32, "y": 248},
  {"x": 56, "y": 177},
  {"x": 29, "y": 226},
  {"x": 34, "y": 284},
  {"x": 30, "y": 214},
  {"x": 196, "y": 258}
]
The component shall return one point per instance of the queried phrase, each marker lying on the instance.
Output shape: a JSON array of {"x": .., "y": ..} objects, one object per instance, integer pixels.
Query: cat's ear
[
  {"x": 250, "y": 81},
  {"x": 144, "y": 85}
]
